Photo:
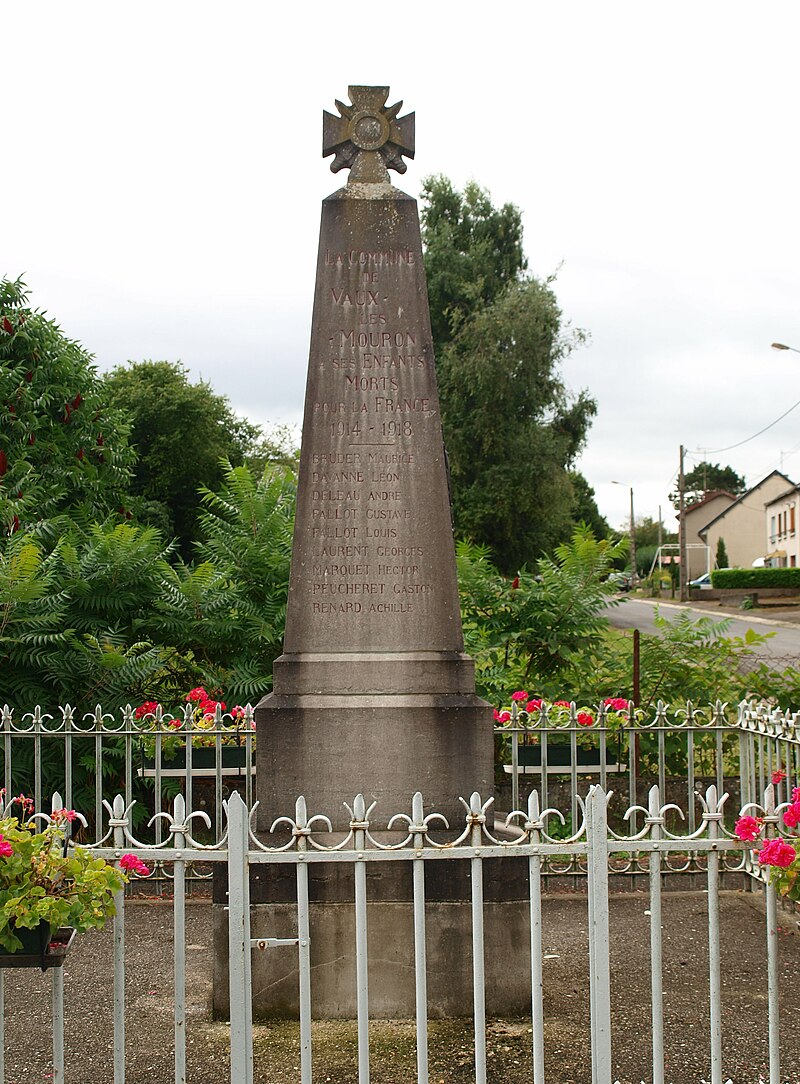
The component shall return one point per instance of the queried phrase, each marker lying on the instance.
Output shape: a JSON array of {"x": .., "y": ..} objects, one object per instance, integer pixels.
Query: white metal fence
[
  {"x": 301, "y": 843},
  {"x": 90, "y": 757},
  {"x": 594, "y": 834}
]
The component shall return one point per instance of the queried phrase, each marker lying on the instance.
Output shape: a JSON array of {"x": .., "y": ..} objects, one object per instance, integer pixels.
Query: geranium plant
[
  {"x": 44, "y": 880},
  {"x": 207, "y": 716},
  {"x": 530, "y": 711},
  {"x": 780, "y": 856}
]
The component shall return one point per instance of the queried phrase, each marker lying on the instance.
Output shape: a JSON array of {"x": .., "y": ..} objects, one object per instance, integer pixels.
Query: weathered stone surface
[{"x": 373, "y": 693}]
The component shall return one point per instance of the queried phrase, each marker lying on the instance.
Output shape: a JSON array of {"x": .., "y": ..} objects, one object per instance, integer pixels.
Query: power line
[{"x": 716, "y": 451}]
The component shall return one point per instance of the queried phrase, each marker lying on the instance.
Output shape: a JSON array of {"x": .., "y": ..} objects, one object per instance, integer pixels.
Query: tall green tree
[
  {"x": 584, "y": 506},
  {"x": 63, "y": 446},
  {"x": 473, "y": 251},
  {"x": 511, "y": 428},
  {"x": 182, "y": 432},
  {"x": 706, "y": 477}
]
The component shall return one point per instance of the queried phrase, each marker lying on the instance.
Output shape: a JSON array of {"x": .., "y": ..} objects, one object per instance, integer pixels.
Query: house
[
  {"x": 782, "y": 517},
  {"x": 741, "y": 522},
  {"x": 695, "y": 517}
]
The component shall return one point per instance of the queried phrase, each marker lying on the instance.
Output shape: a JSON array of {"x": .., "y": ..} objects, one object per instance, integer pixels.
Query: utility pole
[
  {"x": 683, "y": 570},
  {"x": 634, "y": 574}
]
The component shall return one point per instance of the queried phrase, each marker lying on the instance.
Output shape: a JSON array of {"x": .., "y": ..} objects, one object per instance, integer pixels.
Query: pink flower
[
  {"x": 209, "y": 707},
  {"x": 791, "y": 816},
  {"x": 5, "y": 847},
  {"x": 132, "y": 864},
  {"x": 561, "y": 703},
  {"x": 149, "y": 707},
  {"x": 501, "y": 716},
  {"x": 238, "y": 713},
  {"x": 60, "y": 816},
  {"x": 778, "y": 776},
  {"x": 533, "y": 705},
  {"x": 615, "y": 703},
  {"x": 585, "y": 718},
  {"x": 776, "y": 852},
  {"x": 796, "y": 794},
  {"x": 748, "y": 828},
  {"x": 520, "y": 694}
]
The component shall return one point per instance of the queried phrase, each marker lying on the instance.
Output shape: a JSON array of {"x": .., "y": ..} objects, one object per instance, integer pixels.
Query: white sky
[{"x": 161, "y": 179}]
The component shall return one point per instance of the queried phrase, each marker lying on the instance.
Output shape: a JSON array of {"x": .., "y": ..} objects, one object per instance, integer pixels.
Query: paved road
[{"x": 638, "y": 613}]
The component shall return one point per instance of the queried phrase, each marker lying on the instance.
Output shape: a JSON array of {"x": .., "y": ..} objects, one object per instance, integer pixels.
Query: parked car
[
  {"x": 703, "y": 581},
  {"x": 621, "y": 580}
]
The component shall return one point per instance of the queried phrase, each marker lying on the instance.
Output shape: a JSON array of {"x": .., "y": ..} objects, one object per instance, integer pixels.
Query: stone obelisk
[{"x": 373, "y": 692}]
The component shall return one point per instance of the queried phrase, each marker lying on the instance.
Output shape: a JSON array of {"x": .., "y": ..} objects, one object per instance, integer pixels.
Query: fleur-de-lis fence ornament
[
  {"x": 418, "y": 824},
  {"x": 302, "y": 828}
]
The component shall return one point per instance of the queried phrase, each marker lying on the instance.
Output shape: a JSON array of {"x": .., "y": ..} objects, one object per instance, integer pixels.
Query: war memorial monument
[{"x": 373, "y": 693}]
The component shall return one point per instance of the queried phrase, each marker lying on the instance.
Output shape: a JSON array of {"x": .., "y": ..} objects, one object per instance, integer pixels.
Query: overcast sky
[{"x": 161, "y": 180}]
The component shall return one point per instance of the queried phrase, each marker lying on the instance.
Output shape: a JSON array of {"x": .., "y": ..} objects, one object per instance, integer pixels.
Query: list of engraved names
[{"x": 376, "y": 409}]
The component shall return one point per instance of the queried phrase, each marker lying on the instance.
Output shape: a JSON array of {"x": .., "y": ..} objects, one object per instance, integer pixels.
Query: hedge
[{"x": 755, "y": 577}]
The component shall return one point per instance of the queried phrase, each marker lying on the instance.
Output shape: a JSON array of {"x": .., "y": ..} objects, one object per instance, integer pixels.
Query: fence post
[
  {"x": 241, "y": 1008},
  {"x": 599, "y": 966}
]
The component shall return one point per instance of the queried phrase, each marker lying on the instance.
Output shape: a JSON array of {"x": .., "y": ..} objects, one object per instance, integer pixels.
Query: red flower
[
  {"x": 149, "y": 707},
  {"x": 79, "y": 453},
  {"x": 748, "y": 828},
  {"x": 533, "y": 705},
  {"x": 585, "y": 718},
  {"x": 791, "y": 817},
  {"x": 76, "y": 402},
  {"x": 515, "y": 583},
  {"x": 8, "y": 325},
  {"x": 198, "y": 695},
  {"x": 519, "y": 695},
  {"x": 561, "y": 703},
  {"x": 15, "y": 524},
  {"x": 131, "y": 864},
  {"x": 32, "y": 438},
  {"x": 778, "y": 776},
  {"x": 776, "y": 852},
  {"x": 501, "y": 716},
  {"x": 616, "y": 703},
  {"x": 29, "y": 375},
  {"x": 3, "y": 462}
]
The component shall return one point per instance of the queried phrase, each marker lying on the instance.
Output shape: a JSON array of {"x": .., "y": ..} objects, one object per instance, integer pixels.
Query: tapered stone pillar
[{"x": 373, "y": 692}]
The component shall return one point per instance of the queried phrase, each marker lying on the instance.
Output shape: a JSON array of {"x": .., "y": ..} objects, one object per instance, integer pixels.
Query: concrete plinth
[{"x": 390, "y": 941}]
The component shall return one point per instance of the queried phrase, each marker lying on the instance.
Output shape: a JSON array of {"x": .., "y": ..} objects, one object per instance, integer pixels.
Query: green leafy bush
[{"x": 755, "y": 577}]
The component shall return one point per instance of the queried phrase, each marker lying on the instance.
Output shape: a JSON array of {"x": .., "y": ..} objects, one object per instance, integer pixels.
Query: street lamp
[
  {"x": 783, "y": 346},
  {"x": 634, "y": 576}
]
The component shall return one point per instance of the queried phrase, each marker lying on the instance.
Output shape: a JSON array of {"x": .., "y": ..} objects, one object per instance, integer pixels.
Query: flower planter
[
  {"x": 40, "y": 948},
  {"x": 559, "y": 759},
  {"x": 204, "y": 762}
]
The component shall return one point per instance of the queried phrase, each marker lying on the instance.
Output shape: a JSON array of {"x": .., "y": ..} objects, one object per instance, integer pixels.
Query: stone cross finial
[{"x": 368, "y": 138}]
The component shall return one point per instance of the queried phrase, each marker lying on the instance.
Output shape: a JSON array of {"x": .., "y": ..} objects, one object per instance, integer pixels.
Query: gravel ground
[{"x": 89, "y": 1038}]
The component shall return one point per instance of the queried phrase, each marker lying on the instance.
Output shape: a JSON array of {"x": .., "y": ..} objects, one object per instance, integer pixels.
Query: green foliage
[
  {"x": 721, "y": 559},
  {"x": 62, "y": 446},
  {"x": 583, "y": 508},
  {"x": 530, "y": 634},
  {"x": 705, "y": 478},
  {"x": 79, "y": 620},
  {"x": 511, "y": 429},
  {"x": 755, "y": 577},
  {"x": 246, "y": 554},
  {"x": 649, "y": 531},
  {"x": 689, "y": 659},
  {"x": 473, "y": 251},
  {"x": 40, "y": 883},
  {"x": 182, "y": 433}
]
